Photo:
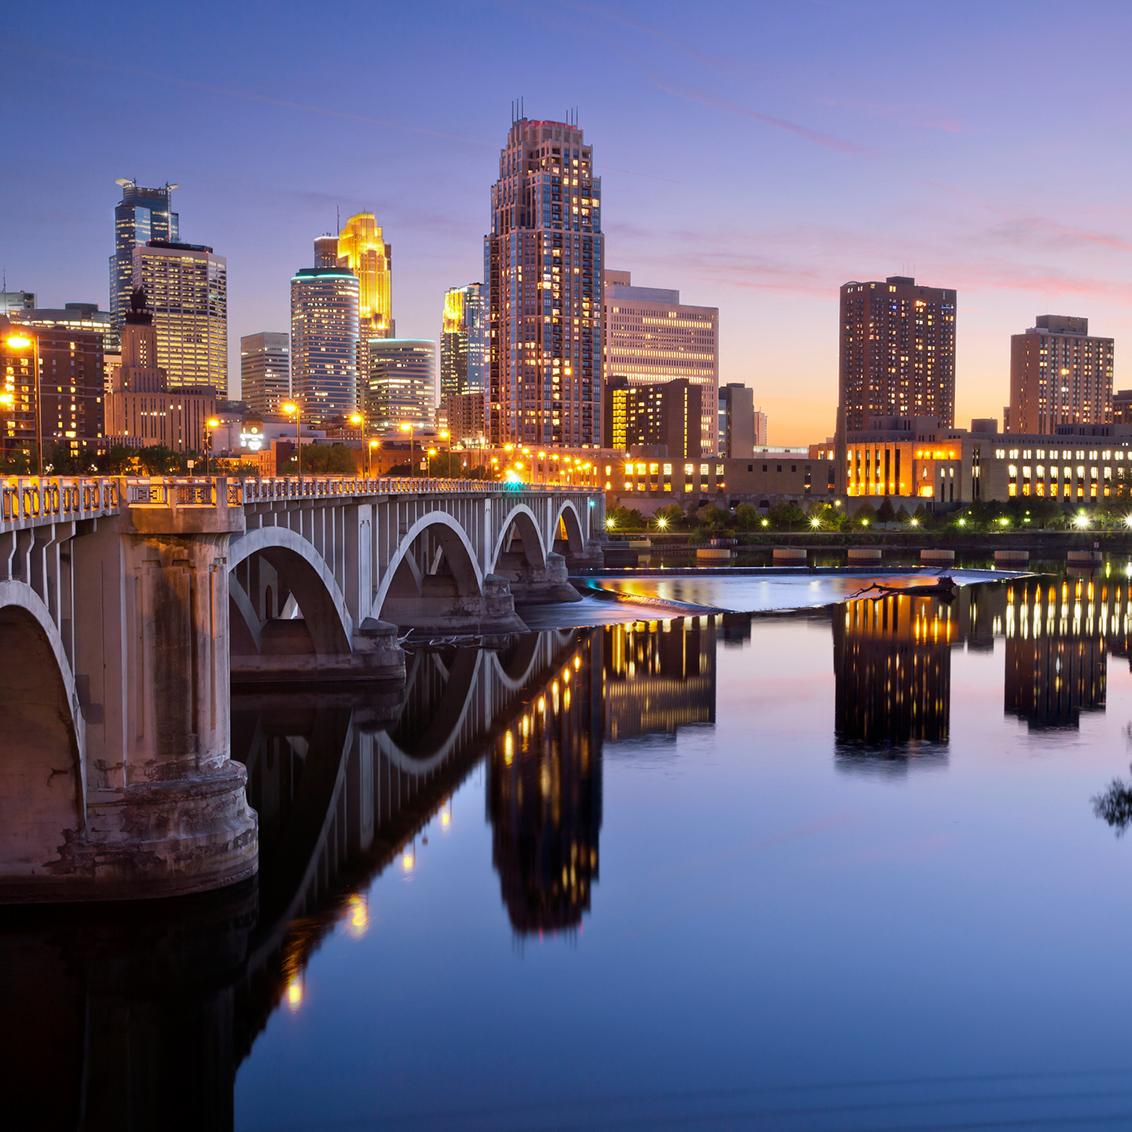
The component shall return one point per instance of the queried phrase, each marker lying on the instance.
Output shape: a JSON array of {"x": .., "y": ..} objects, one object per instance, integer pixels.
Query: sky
[{"x": 753, "y": 155}]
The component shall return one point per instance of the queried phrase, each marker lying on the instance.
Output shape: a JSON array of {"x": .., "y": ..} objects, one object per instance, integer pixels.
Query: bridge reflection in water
[
  {"x": 109, "y": 1013},
  {"x": 112, "y": 1011}
]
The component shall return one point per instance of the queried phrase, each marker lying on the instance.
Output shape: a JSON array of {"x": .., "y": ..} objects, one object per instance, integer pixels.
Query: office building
[
  {"x": 66, "y": 390},
  {"x": 186, "y": 289},
  {"x": 400, "y": 383},
  {"x": 362, "y": 248},
  {"x": 762, "y": 429},
  {"x": 1122, "y": 406},
  {"x": 464, "y": 417},
  {"x": 326, "y": 251},
  {"x": 142, "y": 409},
  {"x": 13, "y": 302},
  {"x": 738, "y": 425},
  {"x": 265, "y": 371},
  {"x": 651, "y": 337},
  {"x": 543, "y": 260},
  {"x": 897, "y": 352},
  {"x": 463, "y": 341},
  {"x": 140, "y": 216},
  {"x": 324, "y": 342},
  {"x": 71, "y": 316},
  {"x": 665, "y": 419},
  {"x": 1059, "y": 375}
]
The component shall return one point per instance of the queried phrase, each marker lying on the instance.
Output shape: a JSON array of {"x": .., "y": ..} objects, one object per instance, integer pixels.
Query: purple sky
[{"x": 754, "y": 155}]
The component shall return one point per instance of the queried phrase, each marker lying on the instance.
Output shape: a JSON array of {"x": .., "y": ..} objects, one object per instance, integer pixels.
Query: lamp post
[
  {"x": 371, "y": 448},
  {"x": 407, "y": 426},
  {"x": 291, "y": 408},
  {"x": 211, "y": 424},
  {"x": 23, "y": 342},
  {"x": 428, "y": 464}
]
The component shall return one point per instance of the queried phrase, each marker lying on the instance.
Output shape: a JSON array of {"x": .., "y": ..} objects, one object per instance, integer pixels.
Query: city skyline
[{"x": 819, "y": 172}]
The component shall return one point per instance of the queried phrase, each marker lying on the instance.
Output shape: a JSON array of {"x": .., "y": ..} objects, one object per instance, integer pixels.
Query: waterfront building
[
  {"x": 265, "y": 370},
  {"x": 1059, "y": 374},
  {"x": 897, "y": 352},
  {"x": 186, "y": 289},
  {"x": 141, "y": 215},
  {"x": 324, "y": 342},
  {"x": 651, "y": 338},
  {"x": 738, "y": 424},
  {"x": 463, "y": 341},
  {"x": 362, "y": 248},
  {"x": 923, "y": 460},
  {"x": 400, "y": 383},
  {"x": 543, "y": 259},
  {"x": 142, "y": 407},
  {"x": 666, "y": 418},
  {"x": 66, "y": 390}
]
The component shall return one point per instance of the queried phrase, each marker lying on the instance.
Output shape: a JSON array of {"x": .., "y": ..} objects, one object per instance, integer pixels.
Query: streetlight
[
  {"x": 428, "y": 458},
  {"x": 373, "y": 446},
  {"x": 291, "y": 409},
  {"x": 23, "y": 342},
  {"x": 211, "y": 424},
  {"x": 407, "y": 426}
]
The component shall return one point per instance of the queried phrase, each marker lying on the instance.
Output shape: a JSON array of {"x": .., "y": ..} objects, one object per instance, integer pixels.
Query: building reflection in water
[
  {"x": 1058, "y": 637},
  {"x": 892, "y": 673}
]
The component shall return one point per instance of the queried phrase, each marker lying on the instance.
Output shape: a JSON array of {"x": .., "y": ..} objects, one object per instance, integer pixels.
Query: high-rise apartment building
[
  {"x": 400, "y": 383},
  {"x": 362, "y": 248},
  {"x": 324, "y": 342},
  {"x": 543, "y": 261},
  {"x": 463, "y": 341},
  {"x": 651, "y": 337},
  {"x": 1059, "y": 374},
  {"x": 265, "y": 371},
  {"x": 738, "y": 426},
  {"x": 140, "y": 216},
  {"x": 66, "y": 391},
  {"x": 70, "y": 316},
  {"x": 186, "y": 289},
  {"x": 1122, "y": 406},
  {"x": 666, "y": 417},
  {"x": 897, "y": 352}
]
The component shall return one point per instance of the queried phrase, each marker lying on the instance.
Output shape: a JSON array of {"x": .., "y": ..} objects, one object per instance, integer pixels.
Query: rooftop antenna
[{"x": 338, "y": 219}]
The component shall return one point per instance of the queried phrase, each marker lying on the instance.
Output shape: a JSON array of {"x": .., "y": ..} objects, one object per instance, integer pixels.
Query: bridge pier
[{"x": 540, "y": 585}]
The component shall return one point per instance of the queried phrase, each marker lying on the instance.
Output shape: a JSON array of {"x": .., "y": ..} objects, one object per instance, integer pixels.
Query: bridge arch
[
  {"x": 520, "y": 542},
  {"x": 433, "y": 570},
  {"x": 568, "y": 532},
  {"x": 42, "y": 776},
  {"x": 297, "y": 571}
]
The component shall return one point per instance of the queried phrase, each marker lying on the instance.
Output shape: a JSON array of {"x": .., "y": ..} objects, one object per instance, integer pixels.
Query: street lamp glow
[
  {"x": 1004, "y": 521},
  {"x": 1081, "y": 521},
  {"x": 610, "y": 523},
  {"x": 357, "y": 420},
  {"x": 815, "y": 522},
  {"x": 213, "y": 422},
  {"x": 662, "y": 523},
  {"x": 960, "y": 522},
  {"x": 290, "y": 408},
  {"x": 405, "y": 426},
  {"x": 1128, "y": 520},
  {"x": 913, "y": 522},
  {"x": 19, "y": 342},
  {"x": 7, "y": 400}
]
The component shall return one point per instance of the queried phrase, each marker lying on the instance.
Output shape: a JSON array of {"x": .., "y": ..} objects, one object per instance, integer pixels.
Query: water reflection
[{"x": 109, "y": 1013}]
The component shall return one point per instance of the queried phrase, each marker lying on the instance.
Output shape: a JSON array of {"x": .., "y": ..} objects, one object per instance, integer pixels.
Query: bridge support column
[
  {"x": 166, "y": 811},
  {"x": 533, "y": 585},
  {"x": 591, "y": 558}
]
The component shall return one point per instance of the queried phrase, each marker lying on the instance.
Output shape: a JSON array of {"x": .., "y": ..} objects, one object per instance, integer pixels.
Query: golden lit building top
[{"x": 362, "y": 248}]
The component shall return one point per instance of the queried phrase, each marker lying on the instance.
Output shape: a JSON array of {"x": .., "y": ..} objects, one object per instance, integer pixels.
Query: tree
[
  {"x": 714, "y": 518},
  {"x": 673, "y": 516},
  {"x": 787, "y": 517},
  {"x": 864, "y": 516},
  {"x": 329, "y": 459},
  {"x": 886, "y": 513},
  {"x": 625, "y": 519},
  {"x": 748, "y": 516}
]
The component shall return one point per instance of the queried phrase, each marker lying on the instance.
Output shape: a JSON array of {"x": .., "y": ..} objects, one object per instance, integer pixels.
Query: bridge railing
[
  {"x": 29, "y": 500},
  {"x": 323, "y": 487}
]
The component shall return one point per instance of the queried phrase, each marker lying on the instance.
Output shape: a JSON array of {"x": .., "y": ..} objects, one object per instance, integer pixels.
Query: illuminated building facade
[
  {"x": 544, "y": 258},
  {"x": 463, "y": 341},
  {"x": 1059, "y": 375},
  {"x": 265, "y": 371},
  {"x": 400, "y": 383},
  {"x": 892, "y": 671},
  {"x": 652, "y": 338},
  {"x": 140, "y": 216},
  {"x": 186, "y": 287},
  {"x": 324, "y": 342},
  {"x": 666, "y": 418},
  {"x": 464, "y": 417},
  {"x": 897, "y": 352},
  {"x": 1122, "y": 406},
  {"x": 362, "y": 248},
  {"x": 142, "y": 407}
]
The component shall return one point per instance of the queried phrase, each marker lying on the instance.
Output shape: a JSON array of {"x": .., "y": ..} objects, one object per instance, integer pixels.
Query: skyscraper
[
  {"x": 324, "y": 342},
  {"x": 738, "y": 425},
  {"x": 1059, "y": 374},
  {"x": 400, "y": 383},
  {"x": 897, "y": 352},
  {"x": 463, "y": 341},
  {"x": 651, "y": 337},
  {"x": 362, "y": 248},
  {"x": 186, "y": 288},
  {"x": 666, "y": 417},
  {"x": 543, "y": 260},
  {"x": 265, "y": 370},
  {"x": 141, "y": 215}
]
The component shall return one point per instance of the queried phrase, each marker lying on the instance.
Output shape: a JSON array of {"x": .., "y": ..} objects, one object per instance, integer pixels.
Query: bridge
[{"x": 129, "y": 606}]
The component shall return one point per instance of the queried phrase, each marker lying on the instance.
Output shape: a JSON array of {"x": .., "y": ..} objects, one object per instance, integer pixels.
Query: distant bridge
[{"x": 127, "y": 606}]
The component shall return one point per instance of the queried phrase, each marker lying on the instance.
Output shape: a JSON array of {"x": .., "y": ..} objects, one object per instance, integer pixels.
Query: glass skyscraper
[
  {"x": 463, "y": 341},
  {"x": 141, "y": 215},
  {"x": 400, "y": 383},
  {"x": 544, "y": 259},
  {"x": 324, "y": 342}
]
